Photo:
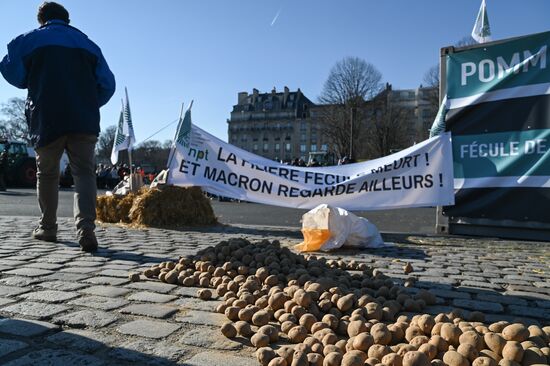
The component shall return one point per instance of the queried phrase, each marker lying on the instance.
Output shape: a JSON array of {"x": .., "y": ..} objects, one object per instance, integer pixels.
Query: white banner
[{"x": 421, "y": 175}]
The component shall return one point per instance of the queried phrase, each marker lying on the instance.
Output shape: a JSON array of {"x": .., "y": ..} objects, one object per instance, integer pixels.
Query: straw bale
[
  {"x": 114, "y": 209},
  {"x": 172, "y": 206}
]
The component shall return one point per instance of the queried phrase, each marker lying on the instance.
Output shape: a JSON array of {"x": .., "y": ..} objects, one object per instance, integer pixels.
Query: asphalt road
[{"x": 22, "y": 202}]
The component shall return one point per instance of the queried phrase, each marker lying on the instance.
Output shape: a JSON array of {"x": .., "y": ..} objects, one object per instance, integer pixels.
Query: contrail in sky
[{"x": 276, "y": 17}]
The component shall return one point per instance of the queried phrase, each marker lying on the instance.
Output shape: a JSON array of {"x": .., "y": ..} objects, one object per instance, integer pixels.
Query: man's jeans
[{"x": 81, "y": 152}]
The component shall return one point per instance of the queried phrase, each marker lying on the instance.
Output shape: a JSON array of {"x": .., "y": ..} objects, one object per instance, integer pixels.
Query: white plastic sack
[{"x": 326, "y": 228}]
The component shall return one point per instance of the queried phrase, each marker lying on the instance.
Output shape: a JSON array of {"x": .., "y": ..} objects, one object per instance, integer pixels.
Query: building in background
[{"x": 288, "y": 125}]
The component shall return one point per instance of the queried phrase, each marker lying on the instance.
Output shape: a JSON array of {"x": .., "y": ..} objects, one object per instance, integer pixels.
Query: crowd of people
[{"x": 108, "y": 176}]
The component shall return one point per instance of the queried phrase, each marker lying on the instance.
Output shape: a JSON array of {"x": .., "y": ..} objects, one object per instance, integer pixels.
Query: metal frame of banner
[{"x": 507, "y": 229}]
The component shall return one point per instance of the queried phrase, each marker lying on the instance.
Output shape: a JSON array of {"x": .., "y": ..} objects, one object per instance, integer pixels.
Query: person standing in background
[{"x": 68, "y": 80}]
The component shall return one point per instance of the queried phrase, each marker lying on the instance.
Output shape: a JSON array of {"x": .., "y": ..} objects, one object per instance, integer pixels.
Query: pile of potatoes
[{"x": 318, "y": 313}]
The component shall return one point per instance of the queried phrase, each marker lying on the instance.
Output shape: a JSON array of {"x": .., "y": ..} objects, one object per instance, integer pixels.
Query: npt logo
[{"x": 197, "y": 154}]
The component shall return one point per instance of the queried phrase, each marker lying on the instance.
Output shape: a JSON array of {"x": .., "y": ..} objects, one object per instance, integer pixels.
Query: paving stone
[
  {"x": 479, "y": 284},
  {"x": 529, "y": 311},
  {"x": 5, "y": 301},
  {"x": 133, "y": 351},
  {"x": 86, "y": 318},
  {"x": 543, "y": 304},
  {"x": 114, "y": 273},
  {"x": 219, "y": 358},
  {"x": 42, "y": 265},
  {"x": 52, "y": 296},
  {"x": 29, "y": 272},
  {"x": 192, "y": 292},
  {"x": 8, "y": 346},
  {"x": 101, "y": 280},
  {"x": 151, "y": 297},
  {"x": 501, "y": 299},
  {"x": 482, "y": 306},
  {"x": 107, "y": 291},
  {"x": 449, "y": 294},
  {"x": 100, "y": 302},
  {"x": 12, "y": 290},
  {"x": 56, "y": 357},
  {"x": 82, "y": 340},
  {"x": 25, "y": 327},
  {"x": 62, "y": 285},
  {"x": 201, "y": 318},
  {"x": 528, "y": 295},
  {"x": 18, "y": 281},
  {"x": 150, "y": 310},
  {"x": 152, "y": 286},
  {"x": 148, "y": 328},
  {"x": 58, "y": 276},
  {"x": 38, "y": 310},
  {"x": 198, "y": 304},
  {"x": 210, "y": 338},
  {"x": 81, "y": 270}
]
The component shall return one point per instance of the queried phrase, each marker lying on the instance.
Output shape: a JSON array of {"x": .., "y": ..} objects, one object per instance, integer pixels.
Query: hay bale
[
  {"x": 114, "y": 209},
  {"x": 172, "y": 207}
]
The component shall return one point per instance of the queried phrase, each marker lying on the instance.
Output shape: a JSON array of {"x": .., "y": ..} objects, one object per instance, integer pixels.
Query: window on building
[
  {"x": 277, "y": 147},
  {"x": 255, "y": 147},
  {"x": 266, "y": 147},
  {"x": 303, "y": 126},
  {"x": 277, "y": 138},
  {"x": 302, "y": 137},
  {"x": 287, "y": 137},
  {"x": 302, "y": 148},
  {"x": 288, "y": 148},
  {"x": 313, "y": 148},
  {"x": 255, "y": 138},
  {"x": 244, "y": 138},
  {"x": 324, "y": 147}
]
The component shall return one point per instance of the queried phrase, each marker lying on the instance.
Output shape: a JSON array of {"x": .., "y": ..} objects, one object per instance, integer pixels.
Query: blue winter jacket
[{"x": 67, "y": 80}]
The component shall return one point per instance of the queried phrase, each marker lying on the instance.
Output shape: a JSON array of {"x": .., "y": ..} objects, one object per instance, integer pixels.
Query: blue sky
[{"x": 171, "y": 51}]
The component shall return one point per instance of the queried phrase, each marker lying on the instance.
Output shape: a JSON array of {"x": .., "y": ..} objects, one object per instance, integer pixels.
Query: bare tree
[
  {"x": 431, "y": 80},
  {"x": 105, "y": 143},
  {"x": 151, "y": 153},
  {"x": 387, "y": 129},
  {"x": 351, "y": 82},
  {"x": 14, "y": 124}
]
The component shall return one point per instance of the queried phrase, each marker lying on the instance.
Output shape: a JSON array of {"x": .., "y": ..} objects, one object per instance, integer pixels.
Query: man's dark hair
[{"x": 50, "y": 10}]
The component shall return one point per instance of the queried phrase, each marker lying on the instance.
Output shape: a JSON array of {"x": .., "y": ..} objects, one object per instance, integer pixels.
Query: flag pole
[
  {"x": 173, "y": 150},
  {"x": 129, "y": 156}
]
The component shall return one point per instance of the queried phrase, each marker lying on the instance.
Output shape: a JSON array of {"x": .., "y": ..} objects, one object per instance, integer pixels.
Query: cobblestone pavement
[{"x": 59, "y": 306}]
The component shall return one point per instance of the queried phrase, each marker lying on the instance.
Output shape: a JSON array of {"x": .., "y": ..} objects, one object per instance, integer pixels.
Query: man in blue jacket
[{"x": 68, "y": 80}]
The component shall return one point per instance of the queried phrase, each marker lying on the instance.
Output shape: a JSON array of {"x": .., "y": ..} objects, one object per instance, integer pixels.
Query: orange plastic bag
[{"x": 313, "y": 240}]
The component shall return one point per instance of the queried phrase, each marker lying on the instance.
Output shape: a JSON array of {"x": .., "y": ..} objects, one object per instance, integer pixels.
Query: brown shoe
[
  {"x": 45, "y": 234},
  {"x": 87, "y": 241}
]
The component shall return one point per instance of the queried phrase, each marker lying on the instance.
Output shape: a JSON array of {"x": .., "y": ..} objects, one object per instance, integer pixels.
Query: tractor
[{"x": 21, "y": 169}]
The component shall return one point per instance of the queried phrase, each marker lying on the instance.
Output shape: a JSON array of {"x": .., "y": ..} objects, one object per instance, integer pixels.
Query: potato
[
  {"x": 329, "y": 338},
  {"x": 330, "y": 320},
  {"x": 277, "y": 300},
  {"x": 204, "y": 294},
  {"x": 354, "y": 358},
  {"x": 271, "y": 332},
  {"x": 505, "y": 362},
  {"x": 419, "y": 340},
  {"x": 490, "y": 354},
  {"x": 451, "y": 333},
  {"x": 404, "y": 348},
  {"x": 228, "y": 330},
  {"x": 439, "y": 343},
  {"x": 381, "y": 334},
  {"x": 429, "y": 349},
  {"x": 473, "y": 338},
  {"x": 494, "y": 342},
  {"x": 261, "y": 318},
  {"x": 286, "y": 326},
  {"x": 453, "y": 358},
  {"x": 512, "y": 351},
  {"x": 259, "y": 340},
  {"x": 307, "y": 320},
  {"x": 355, "y": 327},
  {"x": 278, "y": 361},
  {"x": 426, "y": 323},
  {"x": 378, "y": 351},
  {"x": 286, "y": 352},
  {"x": 413, "y": 331},
  {"x": 498, "y": 326},
  {"x": 264, "y": 355},
  {"x": 299, "y": 359},
  {"x": 371, "y": 361},
  {"x": 232, "y": 313},
  {"x": 515, "y": 332},
  {"x": 468, "y": 350},
  {"x": 362, "y": 342},
  {"x": 302, "y": 298},
  {"x": 315, "y": 359},
  {"x": 333, "y": 359},
  {"x": 392, "y": 359},
  {"x": 415, "y": 358},
  {"x": 397, "y": 333},
  {"x": 345, "y": 303},
  {"x": 297, "y": 334},
  {"x": 484, "y": 361}
]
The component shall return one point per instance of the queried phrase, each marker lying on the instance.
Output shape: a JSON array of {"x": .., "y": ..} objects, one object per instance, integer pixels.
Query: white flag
[
  {"x": 482, "y": 31},
  {"x": 124, "y": 137}
]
